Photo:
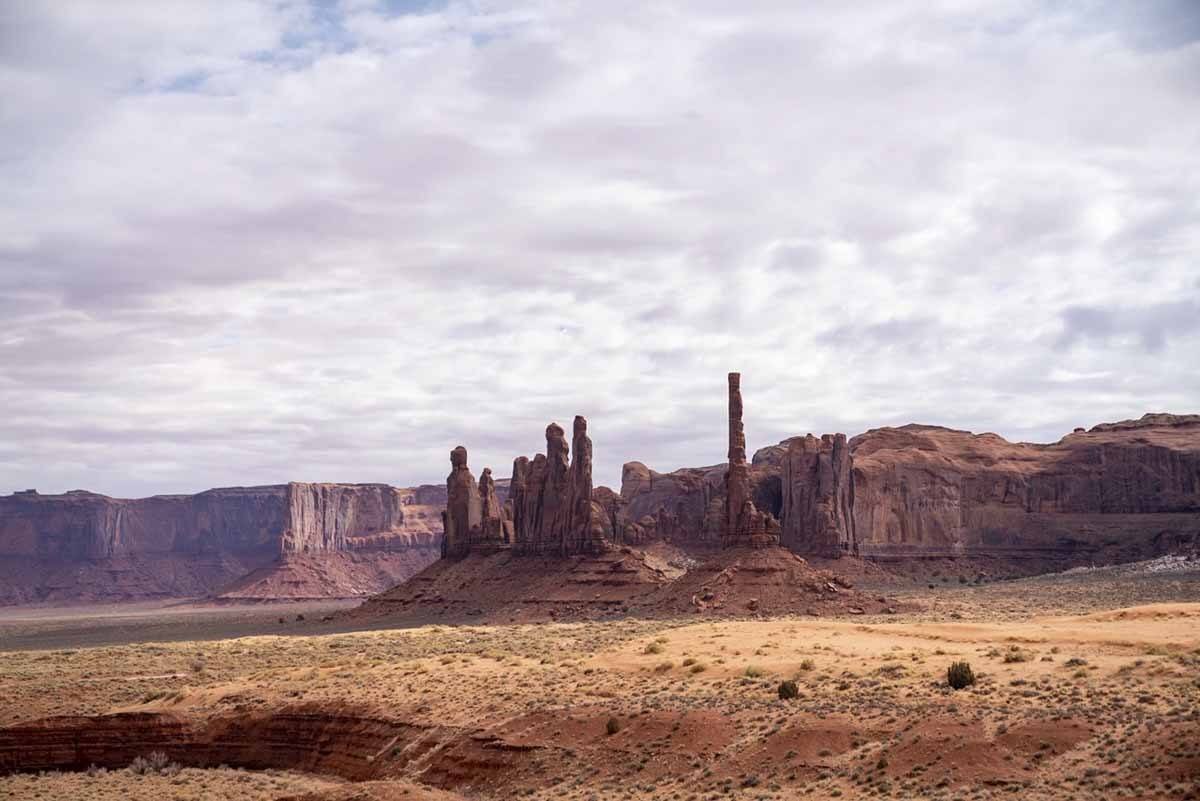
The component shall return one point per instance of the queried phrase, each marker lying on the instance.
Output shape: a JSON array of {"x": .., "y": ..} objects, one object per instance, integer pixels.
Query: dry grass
[{"x": 1097, "y": 702}]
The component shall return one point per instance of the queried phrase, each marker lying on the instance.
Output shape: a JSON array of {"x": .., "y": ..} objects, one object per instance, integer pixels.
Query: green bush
[
  {"x": 788, "y": 689},
  {"x": 960, "y": 675}
]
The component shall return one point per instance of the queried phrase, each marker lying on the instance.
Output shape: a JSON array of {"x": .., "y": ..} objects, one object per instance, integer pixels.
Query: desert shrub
[
  {"x": 960, "y": 675},
  {"x": 788, "y": 690},
  {"x": 613, "y": 726},
  {"x": 653, "y": 648},
  {"x": 1015, "y": 654},
  {"x": 698, "y": 667},
  {"x": 663, "y": 667},
  {"x": 807, "y": 664},
  {"x": 753, "y": 672},
  {"x": 1075, "y": 661},
  {"x": 156, "y": 763},
  {"x": 689, "y": 661}
]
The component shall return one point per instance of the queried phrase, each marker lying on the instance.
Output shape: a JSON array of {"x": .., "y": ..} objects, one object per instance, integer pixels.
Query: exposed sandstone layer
[
  {"x": 553, "y": 509},
  {"x": 1117, "y": 492},
  {"x": 464, "y": 512},
  {"x": 818, "y": 496},
  {"x": 745, "y": 525},
  {"x": 81, "y": 546}
]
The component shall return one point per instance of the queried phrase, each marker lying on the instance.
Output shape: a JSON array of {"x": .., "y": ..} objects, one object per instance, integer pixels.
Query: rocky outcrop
[
  {"x": 81, "y": 546},
  {"x": 1116, "y": 492},
  {"x": 1120, "y": 490},
  {"x": 553, "y": 511},
  {"x": 745, "y": 525},
  {"x": 687, "y": 504},
  {"x": 491, "y": 533},
  {"x": 329, "y": 517},
  {"x": 463, "y": 518},
  {"x": 818, "y": 496}
]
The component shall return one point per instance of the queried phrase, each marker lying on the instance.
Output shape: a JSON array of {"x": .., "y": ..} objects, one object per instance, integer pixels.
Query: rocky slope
[{"x": 343, "y": 539}]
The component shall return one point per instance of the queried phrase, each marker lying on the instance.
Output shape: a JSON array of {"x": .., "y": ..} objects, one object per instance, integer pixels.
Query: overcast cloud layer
[{"x": 252, "y": 242}]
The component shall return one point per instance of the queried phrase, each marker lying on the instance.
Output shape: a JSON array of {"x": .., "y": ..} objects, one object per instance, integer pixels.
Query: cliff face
[
  {"x": 84, "y": 546},
  {"x": 1119, "y": 491},
  {"x": 1124, "y": 489}
]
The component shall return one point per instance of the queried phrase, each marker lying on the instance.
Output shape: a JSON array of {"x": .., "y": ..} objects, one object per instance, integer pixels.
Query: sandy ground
[
  {"x": 24, "y": 628},
  {"x": 1088, "y": 686}
]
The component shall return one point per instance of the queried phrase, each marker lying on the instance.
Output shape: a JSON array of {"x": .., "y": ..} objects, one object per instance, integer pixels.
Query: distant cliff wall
[
  {"x": 188, "y": 545},
  {"x": 1116, "y": 492}
]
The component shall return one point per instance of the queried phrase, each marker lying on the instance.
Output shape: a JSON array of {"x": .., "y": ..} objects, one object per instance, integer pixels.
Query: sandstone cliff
[
  {"x": 81, "y": 546},
  {"x": 1118, "y": 491}
]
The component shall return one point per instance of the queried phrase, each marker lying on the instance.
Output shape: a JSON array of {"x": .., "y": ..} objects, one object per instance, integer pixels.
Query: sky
[{"x": 251, "y": 242}]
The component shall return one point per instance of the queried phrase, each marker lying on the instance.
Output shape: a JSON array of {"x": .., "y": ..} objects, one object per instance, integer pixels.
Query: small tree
[{"x": 960, "y": 675}]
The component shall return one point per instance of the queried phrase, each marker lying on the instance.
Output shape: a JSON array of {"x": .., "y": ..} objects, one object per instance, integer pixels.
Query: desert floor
[{"x": 1088, "y": 687}]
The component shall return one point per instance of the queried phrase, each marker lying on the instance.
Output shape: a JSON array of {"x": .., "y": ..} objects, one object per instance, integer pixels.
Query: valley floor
[{"x": 1088, "y": 686}]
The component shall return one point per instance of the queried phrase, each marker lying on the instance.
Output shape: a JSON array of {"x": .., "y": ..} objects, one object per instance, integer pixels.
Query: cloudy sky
[{"x": 246, "y": 242}]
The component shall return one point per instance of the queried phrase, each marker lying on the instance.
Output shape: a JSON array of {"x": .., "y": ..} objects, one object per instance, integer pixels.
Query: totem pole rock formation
[
  {"x": 745, "y": 525},
  {"x": 818, "y": 496},
  {"x": 490, "y": 533},
  {"x": 553, "y": 511},
  {"x": 464, "y": 512}
]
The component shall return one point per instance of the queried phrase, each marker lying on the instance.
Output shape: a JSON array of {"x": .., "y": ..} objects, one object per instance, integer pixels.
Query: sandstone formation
[
  {"x": 818, "y": 496},
  {"x": 553, "y": 511},
  {"x": 1116, "y": 492},
  {"x": 81, "y": 546},
  {"x": 745, "y": 525},
  {"x": 491, "y": 532},
  {"x": 463, "y": 518}
]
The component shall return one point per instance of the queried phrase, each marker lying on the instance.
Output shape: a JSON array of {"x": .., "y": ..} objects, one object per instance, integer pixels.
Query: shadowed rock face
[
  {"x": 553, "y": 511},
  {"x": 818, "y": 496},
  {"x": 81, "y": 546}
]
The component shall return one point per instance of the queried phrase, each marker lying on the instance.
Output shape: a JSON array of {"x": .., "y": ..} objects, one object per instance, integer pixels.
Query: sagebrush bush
[
  {"x": 788, "y": 689},
  {"x": 613, "y": 726},
  {"x": 960, "y": 675}
]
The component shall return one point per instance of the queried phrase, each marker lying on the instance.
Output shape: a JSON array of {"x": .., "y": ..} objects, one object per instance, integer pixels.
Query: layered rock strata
[
  {"x": 1119, "y": 491},
  {"x": 818, "y": 496},
  {"x": 81, "y": 546}
]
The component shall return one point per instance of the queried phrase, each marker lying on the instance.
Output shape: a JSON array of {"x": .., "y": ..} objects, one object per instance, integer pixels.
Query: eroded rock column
[
  {"x": 818, "y": 496},
  {"x": 464, "y": 514},
  {"x": 745, "y": 526}
]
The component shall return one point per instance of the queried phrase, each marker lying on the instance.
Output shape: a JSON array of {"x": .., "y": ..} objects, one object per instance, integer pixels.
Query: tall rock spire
[
  {"x": 745, "y": 526},
  {"x": 463, "y": 516}
]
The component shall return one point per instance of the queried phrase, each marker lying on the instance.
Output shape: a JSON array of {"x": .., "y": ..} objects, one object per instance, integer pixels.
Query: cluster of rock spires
[
  {"x": 918, "y": 491},
  {"x": 553, "y": 509},
  {"x": 550, "y": 508}
]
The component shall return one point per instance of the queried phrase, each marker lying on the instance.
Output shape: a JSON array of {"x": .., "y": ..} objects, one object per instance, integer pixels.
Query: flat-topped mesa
[
  {"x": 464, "y": 512},
  {"x": 745, "y": 525},
  {"x": 553, "y": 512},
  {"x": 817, "y": 516}
]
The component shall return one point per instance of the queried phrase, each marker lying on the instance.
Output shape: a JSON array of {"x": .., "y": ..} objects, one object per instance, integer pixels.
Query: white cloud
[{"x": 270, "y": 240}]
